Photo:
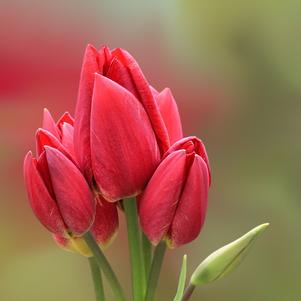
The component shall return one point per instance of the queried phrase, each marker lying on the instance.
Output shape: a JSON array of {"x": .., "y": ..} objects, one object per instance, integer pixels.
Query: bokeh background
[{"x": 235, "y": 70}]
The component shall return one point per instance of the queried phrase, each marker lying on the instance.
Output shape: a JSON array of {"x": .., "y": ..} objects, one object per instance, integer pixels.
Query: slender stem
[
  {"x": 136, "y": 252},
  {"x": 147, "y": 253},
  {"x": 97, "y": 279},
  {"x": 155, "y": 271},
  {"x": 188, "y": 292},
  {"x": 105, "y": 267}
]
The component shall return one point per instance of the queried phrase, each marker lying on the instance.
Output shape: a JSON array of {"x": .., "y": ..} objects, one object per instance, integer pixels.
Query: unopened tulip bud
[
  {"x": 173, "y": 205},
  {"x": 121, "y": 129},
  {"x": 58, "y": 193},
  {"x": 225, "y": 259}
]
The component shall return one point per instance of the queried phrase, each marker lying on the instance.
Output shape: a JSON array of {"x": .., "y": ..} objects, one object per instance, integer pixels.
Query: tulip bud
[
  {"x": 225, "y": 259},
  {"x": 59, "y": 194},
  {"x": 142, "y": 122},
  {"x": 174, "y": 203}
]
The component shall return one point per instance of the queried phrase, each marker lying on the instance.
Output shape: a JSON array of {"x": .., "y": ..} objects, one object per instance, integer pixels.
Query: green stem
[
  {"x": 155, "y": 271},
  {"x": 105, "y": 267},
  {"x": 136, "y": 252},
  {"x": 188, "y": 292},
  {"x": 147, "y": 253},
  {"x": 97, "y": 279}
]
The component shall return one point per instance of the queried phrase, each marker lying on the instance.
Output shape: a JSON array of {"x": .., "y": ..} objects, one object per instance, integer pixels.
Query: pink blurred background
[{"x": 235, "y": 72}]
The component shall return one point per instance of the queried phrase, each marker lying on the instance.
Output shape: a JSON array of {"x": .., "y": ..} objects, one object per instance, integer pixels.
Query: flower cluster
[{"x": 125, "y": 141}]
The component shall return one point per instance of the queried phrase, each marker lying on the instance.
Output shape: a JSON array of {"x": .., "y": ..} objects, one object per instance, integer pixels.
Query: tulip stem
[
  {"x": 136, "y": 251},
  {"x": 97, "y": 279},
  {"x": 105, "y": 267},
  {"x": 188, "y": 292},
  {"x": 155, "y": 271},
  {"x": 147, "y": 253}
]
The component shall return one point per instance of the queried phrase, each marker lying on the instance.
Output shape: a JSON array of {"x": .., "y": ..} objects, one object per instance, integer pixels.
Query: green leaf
[
  {"x": 182, "y": 280},
  {"x": 225, "y": 259}
]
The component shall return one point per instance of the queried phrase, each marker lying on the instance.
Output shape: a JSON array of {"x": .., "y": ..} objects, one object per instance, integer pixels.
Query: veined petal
[
  {"x": 145, "y": 96},
  {"x": 73, "y": 196},
  {"x": 105, "y": 225},
  {"x": 42, "y": 204},
  {"x": 191, "y": 210},
  {"x": 123, "y": 145},
  {"x": 170, "y": 114},
  {"x": 94, "y": 62},
  {"x": 49, "y": 124},
  {"x": 160, "y": 199}
]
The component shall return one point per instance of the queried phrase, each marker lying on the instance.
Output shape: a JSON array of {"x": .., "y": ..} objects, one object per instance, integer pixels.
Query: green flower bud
[{"x": 225, "y": 259}]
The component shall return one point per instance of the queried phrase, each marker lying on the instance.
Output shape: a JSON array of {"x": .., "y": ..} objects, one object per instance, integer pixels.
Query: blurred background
[{"x": 235, "y": 70}]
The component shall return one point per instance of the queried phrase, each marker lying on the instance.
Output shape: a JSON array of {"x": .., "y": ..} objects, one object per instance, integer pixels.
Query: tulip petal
[
  {"x": 72, "y": 192},
  {"x": 191, "y": 210},
  {"x": 123, "y": 145},
  {"x": 105, "y": 225},
  {"x": 65, "y": 118},
  {"x": 159, "y": 201},
  {"x": 44, "y": 138},
  {"x": 170, "y": 114},
  {"x": 198, "y": 147},
  {"x": 42, "y": 204},
  {"x": 145, "y": 96},
  {"x": 94, "y": 62},
  {"x": 67, "y": 137},
  {"x": 49, "y": 124},
  {"x": 119, "y": 73}
]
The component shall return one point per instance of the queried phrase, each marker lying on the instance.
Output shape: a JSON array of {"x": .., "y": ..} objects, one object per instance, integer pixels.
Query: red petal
[
  {"x": 93, "y": 62},
  {"x": 42, "y": 204},
  {"x": 145, "y": 96},
  {"x": 123, "y": 145},
  {"x": 65, "y": 118},
  {"x": 44, "y": 138},
  {"x": 42, "y": 166},
  {"x": 72, "y": 192},
  {"x": 194, "y": 144},
  {"x": 119, "y": 73},
  {"x": 67, "y": 137},
  {"x": 49, "y": 124},
  {"x": 170, "y": 114},
  {"x": 105, "y": 225},
  {"x": 160, "y": 199},
  {"x": 191, "y": 210}
]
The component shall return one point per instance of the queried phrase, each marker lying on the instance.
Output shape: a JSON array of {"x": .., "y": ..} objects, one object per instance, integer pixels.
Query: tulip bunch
[{"x": 123, "y": 152}]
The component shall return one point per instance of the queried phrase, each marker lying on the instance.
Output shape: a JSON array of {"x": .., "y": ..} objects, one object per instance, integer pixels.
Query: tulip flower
[
  {"x": 121, "y": 128},
  {"x": 60, "y": 195},
  {"x": 174, "y": 203}
]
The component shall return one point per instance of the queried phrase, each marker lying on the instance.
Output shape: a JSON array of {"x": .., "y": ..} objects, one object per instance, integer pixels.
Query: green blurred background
[{"x": 235, "y": 70}]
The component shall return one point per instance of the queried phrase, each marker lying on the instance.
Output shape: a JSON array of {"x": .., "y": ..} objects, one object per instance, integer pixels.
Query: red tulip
[
  {"x": 58, "y": 192},
  {"x": 174, "y": 203},
  {"x": 120, "y": 133}
]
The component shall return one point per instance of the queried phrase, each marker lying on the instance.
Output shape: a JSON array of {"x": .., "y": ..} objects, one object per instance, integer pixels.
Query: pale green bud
[{"x": 225, "y": 259}]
